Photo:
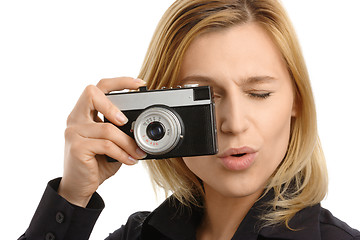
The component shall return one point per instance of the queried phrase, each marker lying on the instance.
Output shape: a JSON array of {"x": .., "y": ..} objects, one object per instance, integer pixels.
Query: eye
[{"x": 259, "y": 95}]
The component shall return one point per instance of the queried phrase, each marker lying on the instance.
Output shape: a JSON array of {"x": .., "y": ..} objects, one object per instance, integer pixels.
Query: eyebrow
[
  {"x": 259, "y": 79},
  {"x": 253, "y": 80},
  {"x": 197, "y": 79}
]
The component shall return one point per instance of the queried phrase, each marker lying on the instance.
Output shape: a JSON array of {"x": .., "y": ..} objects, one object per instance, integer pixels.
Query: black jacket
[{"x": 57, "y": 219}]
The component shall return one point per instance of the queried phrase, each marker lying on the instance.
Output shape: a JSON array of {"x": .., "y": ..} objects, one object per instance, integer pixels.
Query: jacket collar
[
  {"x": 305, "y": 224},
  {"x": 175, "y": 221}
]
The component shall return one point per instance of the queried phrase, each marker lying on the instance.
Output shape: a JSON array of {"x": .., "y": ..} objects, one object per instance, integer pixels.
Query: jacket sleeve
[{"x": 56, "y": 218}]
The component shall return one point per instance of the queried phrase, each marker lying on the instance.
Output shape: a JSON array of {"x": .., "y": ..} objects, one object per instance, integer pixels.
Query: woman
[{"x": 269, "y": 176}]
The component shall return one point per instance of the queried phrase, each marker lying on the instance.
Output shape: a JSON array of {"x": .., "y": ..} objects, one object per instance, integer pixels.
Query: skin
[{"x": 249, "y": 112}]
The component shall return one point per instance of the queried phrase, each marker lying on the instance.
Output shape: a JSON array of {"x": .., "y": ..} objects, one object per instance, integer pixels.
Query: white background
[{"x": 50, "y": 50}]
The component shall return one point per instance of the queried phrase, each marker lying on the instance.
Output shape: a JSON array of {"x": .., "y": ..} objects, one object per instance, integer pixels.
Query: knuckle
[
  {"x": 76, "y": 149},
  {"x": 122, "y": 156},
  {"x": 90, "y": 91},
  {"x": 107, "y": 145},
  {"x": 107, "y": 129},
  {"x": 69, "y": 120},
  {"x": 103, "y": 83},
  {"x": 69, "y": 132}
]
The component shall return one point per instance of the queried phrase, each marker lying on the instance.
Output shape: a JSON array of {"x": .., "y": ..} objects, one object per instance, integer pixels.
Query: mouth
[
  {"x": 237, "y": 152},
  {"x": 237, "y": 159},
  {"x": 238, "y": 155}
]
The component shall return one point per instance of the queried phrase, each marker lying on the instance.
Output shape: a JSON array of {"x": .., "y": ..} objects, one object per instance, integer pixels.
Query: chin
[
  {"x": 231, "y": 184},
  {"x": 221, "y": 181},
  {"x": 235, "y": 189}
]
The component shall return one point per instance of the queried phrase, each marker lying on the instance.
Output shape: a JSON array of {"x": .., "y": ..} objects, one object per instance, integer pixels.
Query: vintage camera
[{"x": 170, "y": 123}]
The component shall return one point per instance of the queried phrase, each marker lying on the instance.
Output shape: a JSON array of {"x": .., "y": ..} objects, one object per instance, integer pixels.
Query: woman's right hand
[{"x": 88, "y": 139}]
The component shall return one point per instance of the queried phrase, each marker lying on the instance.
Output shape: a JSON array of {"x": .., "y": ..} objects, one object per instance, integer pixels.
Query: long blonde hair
[{"x": 301, "y": 178}]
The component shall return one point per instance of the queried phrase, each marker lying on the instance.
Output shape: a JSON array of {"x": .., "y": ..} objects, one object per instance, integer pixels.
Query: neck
[{"x": 223, "y": 214}]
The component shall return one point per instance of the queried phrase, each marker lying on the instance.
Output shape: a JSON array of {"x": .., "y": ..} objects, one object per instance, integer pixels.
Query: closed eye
[{"x": 260, "y": 95}]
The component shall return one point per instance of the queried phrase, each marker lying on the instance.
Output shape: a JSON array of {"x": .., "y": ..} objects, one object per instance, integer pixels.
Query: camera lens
[
  {"x": 155, "y": 131},
  {"x": 158, "y": 130}
]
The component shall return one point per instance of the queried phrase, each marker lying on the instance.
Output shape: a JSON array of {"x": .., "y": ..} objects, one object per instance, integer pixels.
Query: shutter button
[
  {"x": 60, "y": 217},
  {"x": 50, "y": 236}
]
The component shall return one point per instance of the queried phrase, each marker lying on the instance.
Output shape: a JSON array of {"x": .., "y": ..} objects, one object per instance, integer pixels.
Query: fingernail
[
  {"x": 138, "y": 80},
  {"x": 133, "y": 160},
  {"x": 141, "y": 153},
  {"x": 121, "y": 118}
]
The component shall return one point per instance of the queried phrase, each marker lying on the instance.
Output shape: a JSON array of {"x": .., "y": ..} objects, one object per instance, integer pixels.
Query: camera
[{"x": 168, "y": 123}]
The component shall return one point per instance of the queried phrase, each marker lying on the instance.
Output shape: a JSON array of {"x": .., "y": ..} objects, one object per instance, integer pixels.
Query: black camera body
[{"x": 170, "y": 123}]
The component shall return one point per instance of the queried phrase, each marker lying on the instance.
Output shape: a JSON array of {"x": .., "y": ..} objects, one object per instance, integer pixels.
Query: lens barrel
[{"x": 158, "y": 130}]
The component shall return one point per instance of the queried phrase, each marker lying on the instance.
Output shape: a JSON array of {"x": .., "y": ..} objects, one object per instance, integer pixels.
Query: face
[{"x": 254, "y": 105}]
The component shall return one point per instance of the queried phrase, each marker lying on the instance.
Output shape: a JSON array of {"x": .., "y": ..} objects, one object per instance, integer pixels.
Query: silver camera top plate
[{"x": 171, "y": 98}]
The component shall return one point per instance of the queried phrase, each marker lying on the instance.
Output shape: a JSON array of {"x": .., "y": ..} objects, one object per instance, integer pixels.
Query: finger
[
  {"x": 92, "y": 97},
  {"x": 108, "y": 131},
  {"x": 107, "y": 85},
  {"x": 91, "y": 101},
  {"x": 107, "y": 147}
]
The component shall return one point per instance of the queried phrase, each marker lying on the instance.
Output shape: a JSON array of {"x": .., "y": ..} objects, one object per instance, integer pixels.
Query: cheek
[
  {"x": 275, "y": 131},
  {"x": 200, "y": 165}
]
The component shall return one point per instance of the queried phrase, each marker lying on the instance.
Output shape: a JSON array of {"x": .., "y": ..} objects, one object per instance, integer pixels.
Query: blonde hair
[{"x": 301, "y": 179}]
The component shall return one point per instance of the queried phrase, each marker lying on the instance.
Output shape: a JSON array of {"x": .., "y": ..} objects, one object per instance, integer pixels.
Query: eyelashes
[
  {"x": 260, "y": 95},
  {"x": 254, "y": 95}
]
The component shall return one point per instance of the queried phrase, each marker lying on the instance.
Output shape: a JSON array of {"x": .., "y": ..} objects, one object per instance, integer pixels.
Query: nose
[{"x": 232, "y": 115}]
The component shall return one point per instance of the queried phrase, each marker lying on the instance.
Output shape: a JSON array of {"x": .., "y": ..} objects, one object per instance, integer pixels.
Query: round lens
[{"x": 155, "y": 131}]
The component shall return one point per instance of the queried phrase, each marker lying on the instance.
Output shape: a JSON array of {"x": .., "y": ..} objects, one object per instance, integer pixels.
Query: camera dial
[{"x": 158, "y": 130}]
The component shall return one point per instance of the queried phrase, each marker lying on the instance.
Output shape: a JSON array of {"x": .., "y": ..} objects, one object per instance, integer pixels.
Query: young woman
[{"x": 269, "y": 176}]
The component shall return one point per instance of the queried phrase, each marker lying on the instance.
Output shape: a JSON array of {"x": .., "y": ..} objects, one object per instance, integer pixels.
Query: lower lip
[{"x": 238, "y": 163}]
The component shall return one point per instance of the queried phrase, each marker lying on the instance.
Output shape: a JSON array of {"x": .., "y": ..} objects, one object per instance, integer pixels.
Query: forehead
[{"x": 242, "y": 51}]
